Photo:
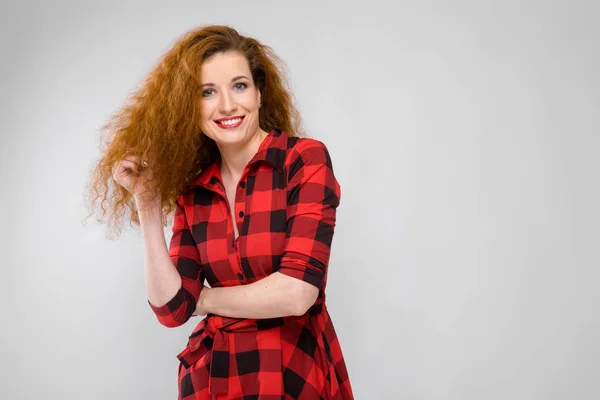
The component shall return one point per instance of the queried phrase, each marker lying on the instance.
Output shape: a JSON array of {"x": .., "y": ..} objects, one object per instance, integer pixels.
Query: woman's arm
[
  {"x": 174, "y": 276},
  {"x": 276, "y": 295},
  {"x": 313, "y": 195},
  {"x": 162, "y": 279}
]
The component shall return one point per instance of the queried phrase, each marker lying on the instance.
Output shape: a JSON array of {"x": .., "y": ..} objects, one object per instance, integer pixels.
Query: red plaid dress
[{"x": 285, "y": 207}]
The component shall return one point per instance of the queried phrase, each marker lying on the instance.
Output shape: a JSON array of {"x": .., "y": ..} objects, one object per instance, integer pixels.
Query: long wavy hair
[{"x": 160, "y": 121}]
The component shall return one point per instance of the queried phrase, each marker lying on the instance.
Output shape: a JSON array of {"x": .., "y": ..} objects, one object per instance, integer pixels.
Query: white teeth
[{"x": 231, "y": 121}]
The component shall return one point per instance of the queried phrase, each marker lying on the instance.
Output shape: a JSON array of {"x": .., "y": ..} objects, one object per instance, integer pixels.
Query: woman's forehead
[{"x": 223, "y": 67}]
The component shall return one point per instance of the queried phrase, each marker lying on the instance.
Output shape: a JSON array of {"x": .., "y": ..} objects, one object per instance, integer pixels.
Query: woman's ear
[{"x": 259, "y": 98}]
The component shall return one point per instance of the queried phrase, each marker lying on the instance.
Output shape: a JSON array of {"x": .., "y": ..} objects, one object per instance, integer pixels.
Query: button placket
[
  {"x": 242, "y": 185},
  {"x": 240, "y": 198}
]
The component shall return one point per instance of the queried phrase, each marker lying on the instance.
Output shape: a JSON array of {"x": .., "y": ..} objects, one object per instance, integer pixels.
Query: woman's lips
[{"x": 223, "y": 126}]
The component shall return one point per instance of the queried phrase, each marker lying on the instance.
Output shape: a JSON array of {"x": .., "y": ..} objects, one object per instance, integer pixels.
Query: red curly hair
[{"x": 161, "y": 120}]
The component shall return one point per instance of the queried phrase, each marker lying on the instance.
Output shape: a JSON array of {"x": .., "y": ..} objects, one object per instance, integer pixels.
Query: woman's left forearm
[{"x": 276, "y": 295}]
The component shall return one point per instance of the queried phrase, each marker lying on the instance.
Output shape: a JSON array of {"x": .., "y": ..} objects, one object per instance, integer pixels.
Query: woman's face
[{"x": 229, "y": 100}]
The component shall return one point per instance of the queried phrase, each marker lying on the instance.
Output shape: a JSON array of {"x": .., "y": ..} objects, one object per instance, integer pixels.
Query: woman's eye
[
  {"x": 206, "y": 93},
  {"x": 241, "y": 86}
]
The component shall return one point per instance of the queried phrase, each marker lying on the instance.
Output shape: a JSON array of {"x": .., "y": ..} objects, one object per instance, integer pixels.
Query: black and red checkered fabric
[{"x": 285, "y": 207}]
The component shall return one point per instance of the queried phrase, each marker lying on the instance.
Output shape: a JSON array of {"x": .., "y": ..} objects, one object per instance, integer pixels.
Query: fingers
[
  {"x": 130, "y": 165},
  {"x": 134, "y": 163}
]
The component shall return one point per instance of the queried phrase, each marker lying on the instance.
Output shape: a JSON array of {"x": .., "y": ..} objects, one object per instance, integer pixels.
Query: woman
[{"x": 213, "y": 135}]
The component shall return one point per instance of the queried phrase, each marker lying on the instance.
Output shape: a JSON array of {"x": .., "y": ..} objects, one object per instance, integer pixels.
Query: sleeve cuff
[
  {"x": 176, "y": 311},
  {"x": 304, "y": 271}
]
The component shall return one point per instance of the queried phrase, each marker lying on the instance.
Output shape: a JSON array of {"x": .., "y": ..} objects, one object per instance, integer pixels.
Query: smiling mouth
[{"x": 230, "y": 122}]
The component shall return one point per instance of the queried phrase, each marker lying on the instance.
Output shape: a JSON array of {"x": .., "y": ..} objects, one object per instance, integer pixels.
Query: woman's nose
[{"x": 227, "y": 104}]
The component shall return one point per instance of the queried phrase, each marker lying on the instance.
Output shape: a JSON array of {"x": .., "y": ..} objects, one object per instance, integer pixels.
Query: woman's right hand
[{"x": 133, "y": 174}]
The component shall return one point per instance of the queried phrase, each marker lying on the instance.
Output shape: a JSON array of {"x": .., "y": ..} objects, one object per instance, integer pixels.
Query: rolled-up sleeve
[
  {"x": 313, "y": 195},
  {"x": 186, "y": 259}
]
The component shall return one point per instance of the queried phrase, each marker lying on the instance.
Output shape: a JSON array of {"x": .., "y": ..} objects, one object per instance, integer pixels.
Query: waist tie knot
[{"x": 212, "y": 333}]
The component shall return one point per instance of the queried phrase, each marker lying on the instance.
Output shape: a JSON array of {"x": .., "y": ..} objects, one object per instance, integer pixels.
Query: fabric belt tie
[{"x": 213, "y": 333}]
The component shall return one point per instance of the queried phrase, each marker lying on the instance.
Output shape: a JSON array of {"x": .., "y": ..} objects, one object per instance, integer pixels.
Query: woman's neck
[{"x": 234, "y": 160}]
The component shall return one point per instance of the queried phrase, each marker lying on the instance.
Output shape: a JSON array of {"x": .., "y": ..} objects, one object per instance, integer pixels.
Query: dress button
[
  {"x": 240, "y": 276},
  {"x": 241, "y": 214},
  {"x": 242, "y": 185}
]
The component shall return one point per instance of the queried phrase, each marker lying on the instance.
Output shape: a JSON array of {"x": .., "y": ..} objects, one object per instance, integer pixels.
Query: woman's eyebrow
[{"x": 232, "y": 80}]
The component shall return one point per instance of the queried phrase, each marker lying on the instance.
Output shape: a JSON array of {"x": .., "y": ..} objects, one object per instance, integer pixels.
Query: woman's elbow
[{"x": 304, "y": 298}]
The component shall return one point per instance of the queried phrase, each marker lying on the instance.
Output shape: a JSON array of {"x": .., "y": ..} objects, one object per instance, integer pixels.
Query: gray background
[{"x": 465, "y": 136}]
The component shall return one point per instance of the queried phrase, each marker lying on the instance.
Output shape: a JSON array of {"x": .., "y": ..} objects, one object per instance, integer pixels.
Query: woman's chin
[{"x": 230, "y": 138}]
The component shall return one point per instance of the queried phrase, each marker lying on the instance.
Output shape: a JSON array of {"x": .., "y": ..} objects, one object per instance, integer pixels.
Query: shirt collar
[{"x": 271, "y": 150}]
